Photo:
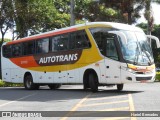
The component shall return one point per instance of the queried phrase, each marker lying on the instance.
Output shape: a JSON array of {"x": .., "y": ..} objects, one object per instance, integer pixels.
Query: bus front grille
[{"x": 143, "y": 78}]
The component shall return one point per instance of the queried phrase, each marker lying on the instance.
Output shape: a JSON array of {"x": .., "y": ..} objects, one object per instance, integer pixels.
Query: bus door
[{"x": 112, "y": 63}]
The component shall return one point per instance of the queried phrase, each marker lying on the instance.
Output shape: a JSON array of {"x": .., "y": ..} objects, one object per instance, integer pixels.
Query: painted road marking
[
  {"x": 75, "y": 107},
  {"x": 131, "y": 105},
  {"x": 104, "y": 103},
  {"x": 89, "y": 112},
  {"x": 81, "y": 104},
  {"x": 22, "y": 98},
  {"x": 105, "y": 98}
]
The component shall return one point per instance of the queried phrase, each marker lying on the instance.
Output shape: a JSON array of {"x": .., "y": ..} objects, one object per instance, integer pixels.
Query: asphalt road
[{"x": 72, "y": 98}]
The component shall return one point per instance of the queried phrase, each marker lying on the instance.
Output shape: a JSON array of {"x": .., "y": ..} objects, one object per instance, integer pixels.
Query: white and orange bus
[{"x": 93, "y": 54}]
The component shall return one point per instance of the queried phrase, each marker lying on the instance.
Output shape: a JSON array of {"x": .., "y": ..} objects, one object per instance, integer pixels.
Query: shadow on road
[{"x": 65, "y": 93}]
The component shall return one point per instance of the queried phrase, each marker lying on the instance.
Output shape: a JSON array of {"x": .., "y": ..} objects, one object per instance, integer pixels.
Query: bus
[{"x": 92, "y": 54}]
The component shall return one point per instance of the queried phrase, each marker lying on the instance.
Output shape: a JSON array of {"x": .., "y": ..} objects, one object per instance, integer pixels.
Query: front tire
[
  {"x": 93, "y": 82},
  {"x": 28, "y": 83},
  {"x": 120, "y": 87},
  {"x": 85, "y": 84}
]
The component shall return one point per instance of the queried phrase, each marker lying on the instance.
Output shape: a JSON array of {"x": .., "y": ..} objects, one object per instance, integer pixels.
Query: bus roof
[{"x": 120, "y": 26}]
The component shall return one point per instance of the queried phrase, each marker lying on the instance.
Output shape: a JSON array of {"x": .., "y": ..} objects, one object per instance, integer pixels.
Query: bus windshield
[
  {"x": 134, "y": 46},
  {"x": 136, "y": 50}
]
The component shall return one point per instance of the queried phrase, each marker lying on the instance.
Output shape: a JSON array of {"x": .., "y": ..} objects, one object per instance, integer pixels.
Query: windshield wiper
[
  {"x": 150, "y": 62},
  {"x": 137, "y": 56},
  {"x": 144, "y": 50}
]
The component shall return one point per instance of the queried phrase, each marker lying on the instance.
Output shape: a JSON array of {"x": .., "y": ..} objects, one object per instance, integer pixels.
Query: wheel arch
[
  {"x": 26, "y": 74},
  {"x": 86, "y": 76}
]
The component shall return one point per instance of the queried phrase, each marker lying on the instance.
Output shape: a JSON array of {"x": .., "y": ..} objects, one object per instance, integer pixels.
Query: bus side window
[
  {"x": 63, "y": 42},
  {"x": 7, "y": 50},
  {"x": 72, "y": 41},
  {"x": 28, "y": 48},
  {"x": 17, "y": 50},
  {"x": 98, "y": 36},
  {"x": 111, "y": 50},
  {"x": 54, "y": 42},
  {"x": 42, "y": 46},
  {"x": 82, "y": 40}
]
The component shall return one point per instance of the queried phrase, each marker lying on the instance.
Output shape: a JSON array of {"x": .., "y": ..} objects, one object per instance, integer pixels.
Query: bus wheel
[
  {"x": 93, "y": 82},
  {"x": 28, "y": 83},
  {"x": 85, "y": 85},
  {"x": 54, "y": 86},
  {"x": 119, "y": 87}
]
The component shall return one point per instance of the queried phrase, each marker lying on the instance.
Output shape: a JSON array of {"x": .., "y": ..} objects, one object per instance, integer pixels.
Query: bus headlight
[
  {"x": 150, "y": 68},
  {"x": 132, "y": 68},
  {"x": 140, "y": 69}
]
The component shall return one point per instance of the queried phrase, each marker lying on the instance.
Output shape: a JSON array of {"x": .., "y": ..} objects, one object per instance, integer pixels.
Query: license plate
[{"x": 143, "y": 81}]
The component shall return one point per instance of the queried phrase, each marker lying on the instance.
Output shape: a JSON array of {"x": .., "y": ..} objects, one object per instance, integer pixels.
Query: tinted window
[
  {"x": 63, "y": 42},
  {"x": 16, "y": 50},
  {"x": 105, "y": 42},
  {"x": 60, "y": 42},
  {"x": 110, "y": 46},
  {"x": 99, "y": 35},
  {"x": 55, "y": 40},
  {"x": 79, "y": 40},
  {"x": 28, "y": 48},
  {"x": 7, "y": 51},
  {"x": 72, "y": 40},
  {"x": 42, "y": 46}
]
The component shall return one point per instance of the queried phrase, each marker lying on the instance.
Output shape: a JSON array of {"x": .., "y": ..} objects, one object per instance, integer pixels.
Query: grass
[{"x": 5, "y": 84}]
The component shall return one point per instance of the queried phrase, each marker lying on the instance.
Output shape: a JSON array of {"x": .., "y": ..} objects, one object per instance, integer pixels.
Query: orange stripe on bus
[
  {"x": 25, "y": 62},
  {"x": 42, "y": 36}
]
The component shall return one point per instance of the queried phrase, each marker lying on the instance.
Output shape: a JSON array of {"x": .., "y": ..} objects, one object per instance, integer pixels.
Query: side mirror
[
  {"x": 154, "y": 38},
  {"x": 122, "y": 36}
]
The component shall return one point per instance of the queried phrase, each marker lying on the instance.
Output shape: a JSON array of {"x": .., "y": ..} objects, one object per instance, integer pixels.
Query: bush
[
  {"x": 1, "y": 83},
  {"x": 6, "y": 84},
  {"x": 158, "y": 76}
]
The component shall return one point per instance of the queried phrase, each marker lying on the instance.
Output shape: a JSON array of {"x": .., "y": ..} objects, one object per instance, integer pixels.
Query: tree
[
  {"x": 6, "y": 18},
  {"x": 85, "y": 10},
  {"x": 72, "y": 19},
  {"x": 80, "y": 8},
  {"x": 143, "y": 26},
  {"x": 149, "y": 14},
  {"x": 33, "y": 16},
  {"x": 126, "y": 11},
  {"x": 130, "y": 10},
  {"x": 106, "y": 10}
]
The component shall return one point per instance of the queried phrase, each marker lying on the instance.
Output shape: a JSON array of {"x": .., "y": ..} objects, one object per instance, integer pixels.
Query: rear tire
[
  {"x": 119, "y": 87},
  {"x": 28, "y": 83},
  {"x": 54, "y": 86},
  {"x": 93, "y": 82}
]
